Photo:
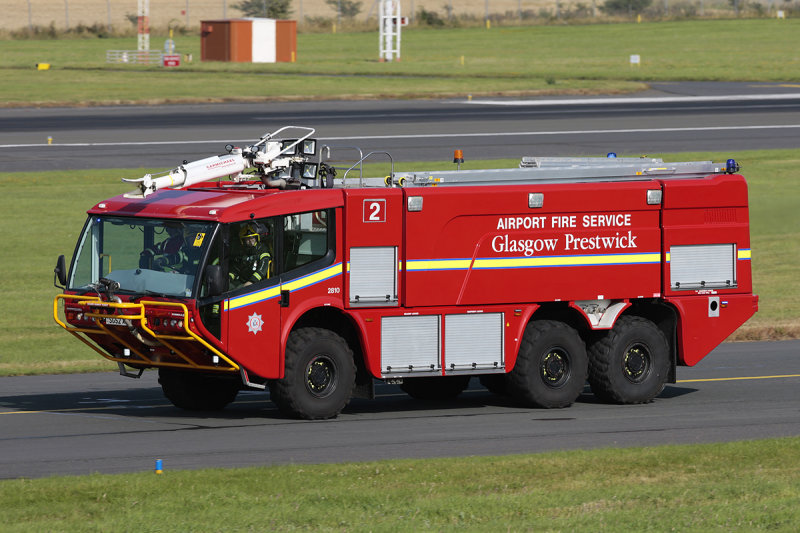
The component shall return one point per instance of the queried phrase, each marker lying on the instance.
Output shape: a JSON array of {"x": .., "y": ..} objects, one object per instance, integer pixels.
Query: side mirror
[
  {"x": 215, "y": 281},
  {"x": 60, "y": 273}
]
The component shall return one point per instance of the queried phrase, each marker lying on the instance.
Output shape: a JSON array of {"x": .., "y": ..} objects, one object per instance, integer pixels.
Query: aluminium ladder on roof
[{"x": 563, "y": 170}]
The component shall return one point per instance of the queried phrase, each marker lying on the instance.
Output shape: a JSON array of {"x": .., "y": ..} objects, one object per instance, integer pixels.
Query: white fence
[{"x": 135, "y": 57}]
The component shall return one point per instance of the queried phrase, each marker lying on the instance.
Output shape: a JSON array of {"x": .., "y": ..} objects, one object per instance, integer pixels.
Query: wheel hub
[
  {"x": 555, "y": 368},
  {"x": 320, "y": 376},
  {"x": 636, "y": 363}
]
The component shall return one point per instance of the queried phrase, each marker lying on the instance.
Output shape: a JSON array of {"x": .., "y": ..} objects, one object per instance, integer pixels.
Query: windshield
[{"x": 145, "y": 256}]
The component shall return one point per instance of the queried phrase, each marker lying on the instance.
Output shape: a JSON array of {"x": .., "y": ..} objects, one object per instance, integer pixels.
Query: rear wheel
[
  {"x": 631, "y": 363},
  {"x": 319, "y": 375},
  {"x": 435, "y": 387},
  {"x": 197, "y": 392},
  {"x": 551, "y": 367}
]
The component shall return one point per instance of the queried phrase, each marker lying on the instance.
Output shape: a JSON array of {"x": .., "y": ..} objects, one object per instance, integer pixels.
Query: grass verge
[
  {"x": 43, "y": 219},
  {"x": 445, "y": 62},
  {"x": 740, "y": 486}
]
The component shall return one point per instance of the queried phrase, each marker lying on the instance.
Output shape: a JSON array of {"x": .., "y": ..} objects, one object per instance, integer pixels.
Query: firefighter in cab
[
  {"x": 166, "y": 253},
  {"x": 254, "y": 262}
]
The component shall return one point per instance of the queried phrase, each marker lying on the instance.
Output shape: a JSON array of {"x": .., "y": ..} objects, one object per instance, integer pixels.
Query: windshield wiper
[{"x": 148, "y": 292}]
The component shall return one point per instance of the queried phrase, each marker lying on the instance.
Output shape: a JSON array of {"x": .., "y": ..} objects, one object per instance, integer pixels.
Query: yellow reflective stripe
[
  {"x": 740, "y": 254},
  {"x": 569, "y": 260},
  {"x": 272, "y": 292},
  {"x": 252, "y": 298},
  {"x": 438, "y": 264},
  {"x": 533, "y": 262},
  {"x": 313, "y": 278}
]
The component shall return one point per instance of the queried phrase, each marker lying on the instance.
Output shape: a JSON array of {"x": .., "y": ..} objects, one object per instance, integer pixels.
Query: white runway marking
[
  {"x": 451, "y": 135},
  {"x": 636, "y": 100}
]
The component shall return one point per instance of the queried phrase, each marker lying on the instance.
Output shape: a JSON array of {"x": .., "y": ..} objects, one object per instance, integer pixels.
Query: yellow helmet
[
  {"x": 173, "y": 229},
  {"x": 247, "y": 231}
]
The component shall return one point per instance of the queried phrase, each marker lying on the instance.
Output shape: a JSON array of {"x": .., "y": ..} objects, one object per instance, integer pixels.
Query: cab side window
[{"x": 305, "y": 238}]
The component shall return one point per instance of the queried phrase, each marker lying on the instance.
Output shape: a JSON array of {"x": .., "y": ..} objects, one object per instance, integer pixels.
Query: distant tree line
[
  {"x": 619, "y": 7},
  {"x": 281, "y": 9}
]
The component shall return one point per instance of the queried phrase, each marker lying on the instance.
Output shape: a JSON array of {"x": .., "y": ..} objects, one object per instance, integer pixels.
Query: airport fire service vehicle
[{"x": 265, "y": 268}]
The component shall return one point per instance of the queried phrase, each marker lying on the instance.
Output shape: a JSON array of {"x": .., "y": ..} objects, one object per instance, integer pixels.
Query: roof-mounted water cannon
[
  {"x": 189, "y": 174},
  {"x": 277, "y": 163},
  {"x": 286, "y": 162}
]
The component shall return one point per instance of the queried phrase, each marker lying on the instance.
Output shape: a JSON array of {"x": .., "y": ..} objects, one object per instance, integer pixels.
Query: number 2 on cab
[{"x": 375, "y": 210}]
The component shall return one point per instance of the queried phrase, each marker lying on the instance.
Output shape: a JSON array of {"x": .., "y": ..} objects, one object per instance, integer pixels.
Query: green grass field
[
  {"x": 43, "y": 219},
  {"x": 748, "y": 486},
  {"x": 521, "y": 60},
  {"x": 743, "y": 486}
]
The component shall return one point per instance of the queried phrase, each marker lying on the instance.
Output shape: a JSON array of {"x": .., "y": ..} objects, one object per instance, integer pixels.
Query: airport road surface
[
  {"x": 671, "y": 117},
  {"x": 79, "y": 424}
]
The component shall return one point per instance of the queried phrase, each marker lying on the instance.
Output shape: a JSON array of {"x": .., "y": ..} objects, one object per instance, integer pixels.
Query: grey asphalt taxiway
[
  {"x": 79, "y": 424},
  {"x": 670, "y": 117}
]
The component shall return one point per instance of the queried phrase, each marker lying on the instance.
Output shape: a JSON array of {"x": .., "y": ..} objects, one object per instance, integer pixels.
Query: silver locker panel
[
  {"x": 410, "y": 345},
  {"x": 702, "y": 266},
  {"x": 373, "y": 275},
  {"x": 473, "y": 341}
]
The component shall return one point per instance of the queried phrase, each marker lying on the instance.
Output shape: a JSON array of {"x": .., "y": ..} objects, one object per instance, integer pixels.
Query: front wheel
[
  {"x": 551, "y": 367},
  {"x": 631, "y": 363},
  {"x": 319, "y": 375},
  {"x": 195, "y": 391}
]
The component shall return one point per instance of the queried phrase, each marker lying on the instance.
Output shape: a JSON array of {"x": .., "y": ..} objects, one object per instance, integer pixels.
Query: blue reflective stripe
[
  {"x": 494, "y": 263},
  {"x": 273, "y": 292}
]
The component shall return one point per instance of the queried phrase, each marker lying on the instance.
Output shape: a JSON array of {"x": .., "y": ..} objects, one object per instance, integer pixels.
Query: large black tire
[
  {"x": 631, "y": 363},
  {"x": 435, "y": 388},
  {"x": 319, "y": 376},
  {"x": 551, "y": 366},
  {"x": 197, "y": 392}
]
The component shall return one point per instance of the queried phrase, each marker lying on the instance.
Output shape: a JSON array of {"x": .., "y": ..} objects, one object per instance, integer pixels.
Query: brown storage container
[{"x": 248, "y": 40}]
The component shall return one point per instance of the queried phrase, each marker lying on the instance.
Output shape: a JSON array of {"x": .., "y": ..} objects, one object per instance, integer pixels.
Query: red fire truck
[{"x": 265, "y": 268}]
